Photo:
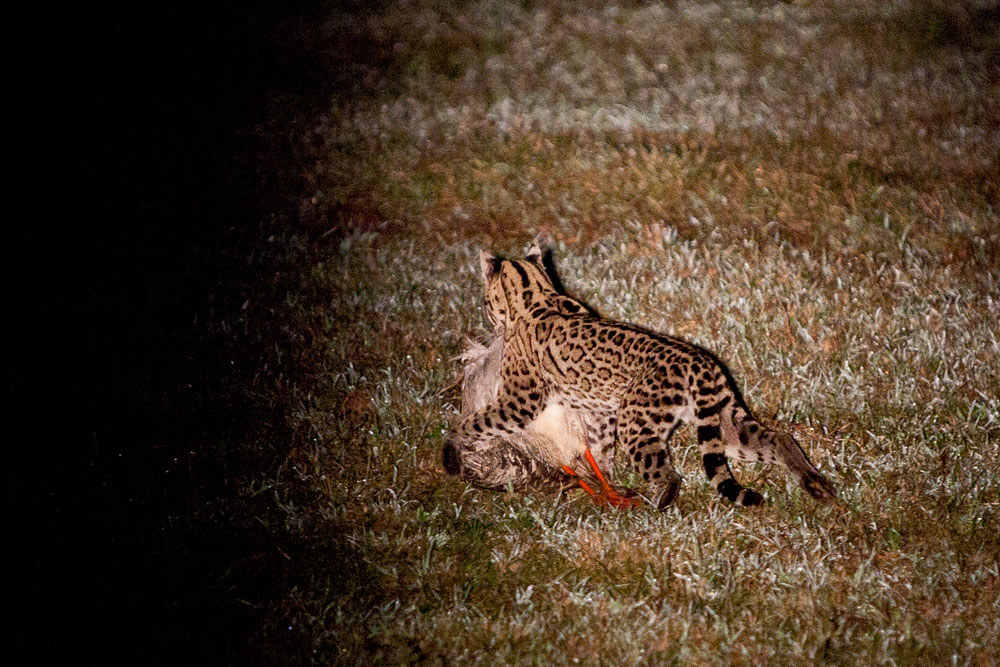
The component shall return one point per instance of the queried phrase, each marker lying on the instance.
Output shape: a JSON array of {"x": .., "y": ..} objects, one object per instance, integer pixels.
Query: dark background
[{"x": 156, "y": 149}]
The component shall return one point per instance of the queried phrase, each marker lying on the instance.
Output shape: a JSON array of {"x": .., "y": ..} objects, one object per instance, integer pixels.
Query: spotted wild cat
[{"x": 629, "y": 385}]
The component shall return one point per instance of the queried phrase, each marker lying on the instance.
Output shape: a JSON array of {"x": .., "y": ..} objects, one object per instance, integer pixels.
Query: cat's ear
[
  {"x": 534, "y": 254},
  {"x": 539, "y": 248},
  {"x": 488, "y": 264}
]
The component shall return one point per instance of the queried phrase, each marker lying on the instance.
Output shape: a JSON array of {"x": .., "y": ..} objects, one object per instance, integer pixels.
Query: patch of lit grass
[{"x": 804, "y": 199}]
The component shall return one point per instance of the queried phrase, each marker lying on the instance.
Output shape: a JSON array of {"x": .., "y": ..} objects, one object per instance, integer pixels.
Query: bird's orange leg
[
  {"x": 607, "y": 494},
  {"x": 611, "y": 496},
  {"x": 583, "y": 485}
]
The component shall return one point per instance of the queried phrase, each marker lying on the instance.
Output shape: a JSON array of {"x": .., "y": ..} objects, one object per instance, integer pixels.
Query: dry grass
[{"x": 807, "y": 189}]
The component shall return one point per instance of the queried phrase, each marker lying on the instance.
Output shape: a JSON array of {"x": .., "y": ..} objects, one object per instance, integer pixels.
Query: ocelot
[{"x": 619, "y": 383}]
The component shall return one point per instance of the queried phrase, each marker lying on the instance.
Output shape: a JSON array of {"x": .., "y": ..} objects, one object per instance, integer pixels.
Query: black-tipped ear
[
  {"x": 488, "y": 264},
  {"x": 535, "y": 254},
  {"x": 539, "y": 248}
]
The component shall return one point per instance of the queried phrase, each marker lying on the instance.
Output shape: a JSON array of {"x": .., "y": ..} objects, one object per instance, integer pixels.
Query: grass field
[{"x": 808, "y": 189}]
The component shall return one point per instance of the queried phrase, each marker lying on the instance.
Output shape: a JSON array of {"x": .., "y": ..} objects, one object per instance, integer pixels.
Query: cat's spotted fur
[{"x": 628, "y": 384}]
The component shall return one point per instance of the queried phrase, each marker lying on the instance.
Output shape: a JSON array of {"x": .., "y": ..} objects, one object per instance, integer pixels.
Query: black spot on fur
[
  {"x": 712, "y": 410},
  {"x": 525, "y": 281},
  {"x": 730, "y": 489},
  {"x": 708, "y": 433},
  {"x": 713, "y": 462}
]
